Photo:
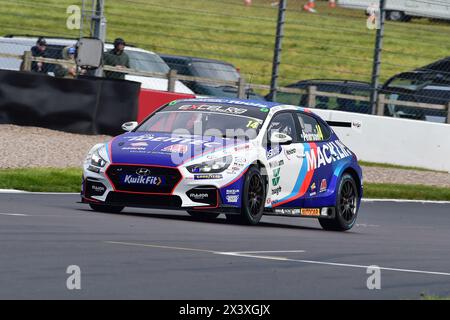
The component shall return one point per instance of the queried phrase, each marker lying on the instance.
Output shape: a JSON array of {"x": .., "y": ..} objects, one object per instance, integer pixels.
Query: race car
[{"x": 241, "y": 158}]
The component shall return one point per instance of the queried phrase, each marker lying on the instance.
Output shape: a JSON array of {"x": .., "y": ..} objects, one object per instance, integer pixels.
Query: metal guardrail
[{"x": 241, "y": 85}]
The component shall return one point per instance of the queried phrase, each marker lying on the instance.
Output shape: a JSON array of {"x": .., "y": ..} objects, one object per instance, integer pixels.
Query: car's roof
[{"x": 188, "y": 59}]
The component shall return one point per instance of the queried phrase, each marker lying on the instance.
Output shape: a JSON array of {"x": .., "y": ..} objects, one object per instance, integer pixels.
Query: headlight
[
  {"x": 213, "y": 166},
  {"x": 96, "y": 159}
]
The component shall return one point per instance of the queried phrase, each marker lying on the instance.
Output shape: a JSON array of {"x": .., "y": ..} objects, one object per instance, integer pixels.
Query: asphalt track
[{"x": 153, "y": 254}]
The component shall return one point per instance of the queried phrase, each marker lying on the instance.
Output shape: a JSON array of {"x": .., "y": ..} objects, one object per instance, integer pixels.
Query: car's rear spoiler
[
  {"x": 354, "y": 124},
  {"x": 341, "y": 124}
]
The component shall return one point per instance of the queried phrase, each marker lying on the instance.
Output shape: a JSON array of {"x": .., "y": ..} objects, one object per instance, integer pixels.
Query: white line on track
[
  {"x": 14, "y": 214},
  {"x": 251, "y": 254}
]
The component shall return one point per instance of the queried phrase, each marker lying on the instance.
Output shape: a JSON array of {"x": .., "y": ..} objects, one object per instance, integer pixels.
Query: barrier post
[
  {"x": 27, "y": 56},
  {"x": 380, "y": 104},
  {"x": 241, "y": 88},
  {"x": 312, "y": 96},
  {"x": 172, "y": 76},
  {"x": 448, "y": 113}
]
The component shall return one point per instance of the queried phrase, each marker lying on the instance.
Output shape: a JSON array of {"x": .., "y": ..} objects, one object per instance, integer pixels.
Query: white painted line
[
  {"x": 335, "y": 264},
  {"x": 12, "y": 191},
  {"x": 246, "y": 254},
  {"x": 14, "y": 214},
  {"x": 276, "y": 251}
]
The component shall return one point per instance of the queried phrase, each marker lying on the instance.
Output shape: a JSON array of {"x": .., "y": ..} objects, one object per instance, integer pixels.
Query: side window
[
  {"x": 284, "y": 123},
  {"x": 311, "y": 129}
]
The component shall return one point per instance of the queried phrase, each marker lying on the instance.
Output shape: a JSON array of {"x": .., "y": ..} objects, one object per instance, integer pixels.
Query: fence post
[
  {"x": 277, "y": 50},
  {"x": 448, "y": 113},
  {"x": 380, "y": 104},
  {"x": 377, "y": 57},
  {"x": 172, "y": 78},
  {"x": 241, "y": 88},
  {"x": 26, "y": 64},
  {"x": 312, "y": 96}
]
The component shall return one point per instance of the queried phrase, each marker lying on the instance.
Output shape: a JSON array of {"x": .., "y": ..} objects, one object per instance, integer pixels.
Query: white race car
[{"x": 236, "y": 157}]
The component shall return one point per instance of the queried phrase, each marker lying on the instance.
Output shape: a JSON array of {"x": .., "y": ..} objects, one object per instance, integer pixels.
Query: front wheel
[
  {"x": 346, "y": 206},
  {"x": 106, "y": 208},
  {"x": 254, "y": 193}
]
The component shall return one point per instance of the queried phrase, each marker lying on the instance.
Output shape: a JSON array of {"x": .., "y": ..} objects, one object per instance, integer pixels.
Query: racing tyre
[
  {"x": 202, "y": 215},
  {"x": 106, "y": 208},
  {"x": 254, "y": 193},
  {"x": 346, "y": 206}
]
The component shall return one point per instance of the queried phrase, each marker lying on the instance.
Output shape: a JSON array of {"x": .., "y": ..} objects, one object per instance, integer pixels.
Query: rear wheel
[
  {"x": 346, "y": 206},
  {"x": 252, "y": 207},
  {"x": 106, "y": 208},
  {"x": 203, "y": 215}
]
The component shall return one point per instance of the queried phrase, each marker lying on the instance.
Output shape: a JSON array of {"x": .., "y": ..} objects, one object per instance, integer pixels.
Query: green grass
[
  {"x": 394, "y": 166},
  {"x": 69, "y": 180},
  {"x": 331, "y": 44},
  {"x": 41, "y": 180},
  {"x": 403, "y": 191}
]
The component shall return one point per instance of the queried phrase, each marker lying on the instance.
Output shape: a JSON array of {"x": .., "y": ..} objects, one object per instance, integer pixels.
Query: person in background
[
  {"x": 311, "y": 5},
  {"x": 39, "y": 50},
  {"x": 70, "y": 72},
  {"x": 117, "y": 58}
]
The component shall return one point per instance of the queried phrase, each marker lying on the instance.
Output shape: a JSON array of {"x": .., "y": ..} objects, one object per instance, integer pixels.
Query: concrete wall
[{"x": 394, "y": 141}]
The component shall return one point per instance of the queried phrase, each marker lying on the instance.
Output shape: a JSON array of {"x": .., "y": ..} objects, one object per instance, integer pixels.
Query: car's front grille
[
  {"x": 143, "y": 200},
  {"x": 145, "y": 179}
]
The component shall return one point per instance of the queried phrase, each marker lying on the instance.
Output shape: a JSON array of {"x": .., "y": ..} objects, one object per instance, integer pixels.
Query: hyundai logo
[{"x": 143, "y": 171}]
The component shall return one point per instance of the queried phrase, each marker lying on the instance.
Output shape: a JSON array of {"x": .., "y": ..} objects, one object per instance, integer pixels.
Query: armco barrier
[
  {"x": 86, "y": 105},
  {"x": 150, "y": 100},
  {"x": 393, "y": 140}
]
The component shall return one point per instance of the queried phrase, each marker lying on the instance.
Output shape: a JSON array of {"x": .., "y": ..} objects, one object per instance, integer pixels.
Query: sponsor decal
[
  {"x": 99, "y": 189},
  {"x": 145, "y": 180},
  {"x": 291, "y": 152},
  {"x": 313, "y": 189},
  {"x": 288, "y": 211},
  {"x": 198, "y": 196},
  {"x": 326, "y": 154},
  {"x": 139, "y": 144},
  {"x": 233, "y": 191},
  {"x": 276, "y": 191},
  {"x": 310, "y": 212},
  {"x": 143, "y": 172},
  {"x": 176, "y": 148},
  {"x": 175, "y": 140},
  {"x": 276, "y": 163},
  {"x": 207, "y": 176},
  {"x": 323, "y": 185},
  {"x": 313, "y": 136},
  {"x": 273, "y": 152},
  {"x": 213, "y": 108},
  {"x": 269, "y": 201},
  {"x": 232, "y": 199},
  {"x": 356, "y": 125},
  {"x": 276, "y": 177},
  {"x": 264, "y": 110}
]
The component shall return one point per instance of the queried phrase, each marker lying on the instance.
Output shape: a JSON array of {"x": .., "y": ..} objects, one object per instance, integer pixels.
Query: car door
[
  {"x": 282, "y": 160},
  {"x": 318, "y": 153}
]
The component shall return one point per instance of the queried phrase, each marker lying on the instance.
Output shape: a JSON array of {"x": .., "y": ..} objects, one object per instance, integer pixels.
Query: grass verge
[{"x": 69, "y": 180}]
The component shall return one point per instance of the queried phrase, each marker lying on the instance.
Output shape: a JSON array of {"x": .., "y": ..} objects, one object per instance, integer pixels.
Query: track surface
[{"x": 152, "y": 254}]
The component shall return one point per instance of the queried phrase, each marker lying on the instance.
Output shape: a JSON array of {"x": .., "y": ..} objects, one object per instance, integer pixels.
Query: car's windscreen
[
  {"x": 144, "y": 61},
  {"x": 215, "y": 71},
  {"x": 206, "y": 120}
]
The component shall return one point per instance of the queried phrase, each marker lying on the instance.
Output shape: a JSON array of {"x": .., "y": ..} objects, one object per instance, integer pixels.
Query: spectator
[
  {"x": 70, "y": 72},
  {"x": 248, "y": 2},
  {"x": 311, "y": 5},
  {"x": 117, "y": 58},
  {"x": 39, "y": 50}
]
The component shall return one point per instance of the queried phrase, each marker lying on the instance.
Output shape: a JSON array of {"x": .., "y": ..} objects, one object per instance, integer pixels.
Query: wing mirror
[
  {"x": 280, "y": 138},
  {"x": 129, "y": 126}
]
